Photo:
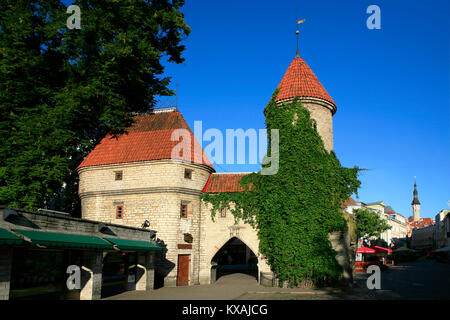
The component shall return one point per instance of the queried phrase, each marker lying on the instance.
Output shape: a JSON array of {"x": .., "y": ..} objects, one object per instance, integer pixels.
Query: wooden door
[{"x": 183, "y": 270}]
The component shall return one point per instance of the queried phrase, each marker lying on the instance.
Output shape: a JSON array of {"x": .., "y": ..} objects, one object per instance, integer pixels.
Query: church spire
[
  {"x": 415, "y": 193},
  {"x": 416, "y": 203}
]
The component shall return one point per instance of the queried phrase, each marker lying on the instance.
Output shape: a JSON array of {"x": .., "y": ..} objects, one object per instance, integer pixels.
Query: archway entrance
[{"x": 234, "y": 257}]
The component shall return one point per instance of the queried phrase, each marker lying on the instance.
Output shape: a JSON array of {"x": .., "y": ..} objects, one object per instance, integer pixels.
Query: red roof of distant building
[
  {"x": 224, "y": 182},
  {"x": 423, "y": 222},
  {"x": 348, "y": 202},
  {"x": 149, "y": 138},
  {"x": 299, "y": 80}
]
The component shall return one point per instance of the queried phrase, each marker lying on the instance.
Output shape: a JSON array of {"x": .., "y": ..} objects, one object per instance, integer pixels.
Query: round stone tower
[
  {"x": 137, "y": 177},
  {"x": 299, "y": 81}
]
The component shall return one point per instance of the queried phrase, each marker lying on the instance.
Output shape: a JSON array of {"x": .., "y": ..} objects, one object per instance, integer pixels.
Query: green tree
[
  {"x": 369, "y": 223},
  {"x": 63, "y": 90},
  {"x": 294, "y": 210}
]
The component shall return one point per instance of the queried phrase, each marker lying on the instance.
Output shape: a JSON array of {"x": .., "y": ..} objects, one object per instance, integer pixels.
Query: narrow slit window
[
  {"x": 118, "y": 175},
  {"x": 119, "y": 212},
  {"x": 223, "y": 212},
  {"x": 183, "y": 211}
]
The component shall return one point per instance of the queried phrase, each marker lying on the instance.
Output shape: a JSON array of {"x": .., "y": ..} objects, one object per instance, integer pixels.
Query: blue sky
[{"x": 391, "y": 86}]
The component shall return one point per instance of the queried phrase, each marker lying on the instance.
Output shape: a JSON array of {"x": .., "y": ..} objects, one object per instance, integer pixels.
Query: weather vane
[{"x": 298, "y": 32}]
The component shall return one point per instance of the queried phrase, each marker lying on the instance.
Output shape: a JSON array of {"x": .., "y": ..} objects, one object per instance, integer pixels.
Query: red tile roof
[
  {"x": 149, "y": 138},
  {"x": 224, "y": 182},
  {"x": 299, "y": 80},
  {"x": 423, "y": 222},
  {"x": 347, "y": 203}
]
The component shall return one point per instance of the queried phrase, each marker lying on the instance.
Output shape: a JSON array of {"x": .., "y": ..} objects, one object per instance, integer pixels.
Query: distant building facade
[
  {"x": 442, "y": 229},
  {"x": 399, "y": 228},
  {"x": 394, "y": 237},
  {"x": 422, "y": 238}
]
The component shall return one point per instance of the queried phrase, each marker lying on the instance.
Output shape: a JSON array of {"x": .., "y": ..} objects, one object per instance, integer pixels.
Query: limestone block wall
[
  {"x": 140, "y": 177},
  {"x": 152, "y": 191},
  {"x": 324, "y": 122},
  {"x": 322, "y": 112},
  {"x": 340, "y": 242},
  {"x": 214, "y": 234}
]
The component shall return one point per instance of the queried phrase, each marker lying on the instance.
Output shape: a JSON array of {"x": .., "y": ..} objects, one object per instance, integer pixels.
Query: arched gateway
[{"x": 234, "y": 257}]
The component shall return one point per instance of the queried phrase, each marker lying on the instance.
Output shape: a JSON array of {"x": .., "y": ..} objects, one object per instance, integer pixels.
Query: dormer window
[
  {"x": 187, "y": 173},
  {"x": 118, "y": 175}
]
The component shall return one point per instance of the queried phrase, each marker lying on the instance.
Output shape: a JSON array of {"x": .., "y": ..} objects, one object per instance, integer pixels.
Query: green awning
[
  {"x": 44, "y": 238},
  {"x": 6, "y": 237},
  {"x": 124, "y": 244}
]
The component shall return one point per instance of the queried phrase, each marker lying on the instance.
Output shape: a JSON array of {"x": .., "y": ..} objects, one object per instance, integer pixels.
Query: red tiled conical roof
[
  {"x": 149, "y": 138},
  {"x": 299, "y": 80}
]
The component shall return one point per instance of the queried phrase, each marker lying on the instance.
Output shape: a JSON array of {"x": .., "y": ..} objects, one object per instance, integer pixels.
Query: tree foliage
[
  {"x": 63, "y": 90},
  {"x": 369, "y": 223},
  {"x": 294, "y": 210}
]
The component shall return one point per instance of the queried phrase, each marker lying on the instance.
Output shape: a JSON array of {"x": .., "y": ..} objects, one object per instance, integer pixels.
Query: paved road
[
  {"x": 236, "y": 286},
  {"x": 420, "y": 279}
]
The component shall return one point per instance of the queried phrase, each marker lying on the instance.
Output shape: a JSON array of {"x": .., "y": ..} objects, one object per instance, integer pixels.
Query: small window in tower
[
  {"x": 118, "y": 175},
  {"x": 314, "y": 124},
  {"x": 187, "y": 173},
  {"x": 223, "y": 212},
  {"x": 183, "y": 211},
  {"x": 119, "y": 212}
]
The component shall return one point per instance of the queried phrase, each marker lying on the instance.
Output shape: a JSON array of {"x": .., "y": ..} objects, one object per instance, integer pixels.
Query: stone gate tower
[{"x": 299, "y": 81}]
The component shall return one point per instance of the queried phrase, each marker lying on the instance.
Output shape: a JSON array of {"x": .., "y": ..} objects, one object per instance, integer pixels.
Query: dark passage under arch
[{"x": 234, "y": 257}]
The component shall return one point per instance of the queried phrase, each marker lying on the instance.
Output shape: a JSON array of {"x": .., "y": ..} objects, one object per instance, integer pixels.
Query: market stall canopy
[
  {"x": 124, "y": 244},
  {"x": 382, "y": 250},
  {"x": 52, "y": 239},
  {"x": 365, "y": 250},
  {"x": 7, "y": 237}
]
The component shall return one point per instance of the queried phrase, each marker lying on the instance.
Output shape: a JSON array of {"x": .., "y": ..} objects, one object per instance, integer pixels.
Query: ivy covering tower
[{"x": 295, "y": 210}]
